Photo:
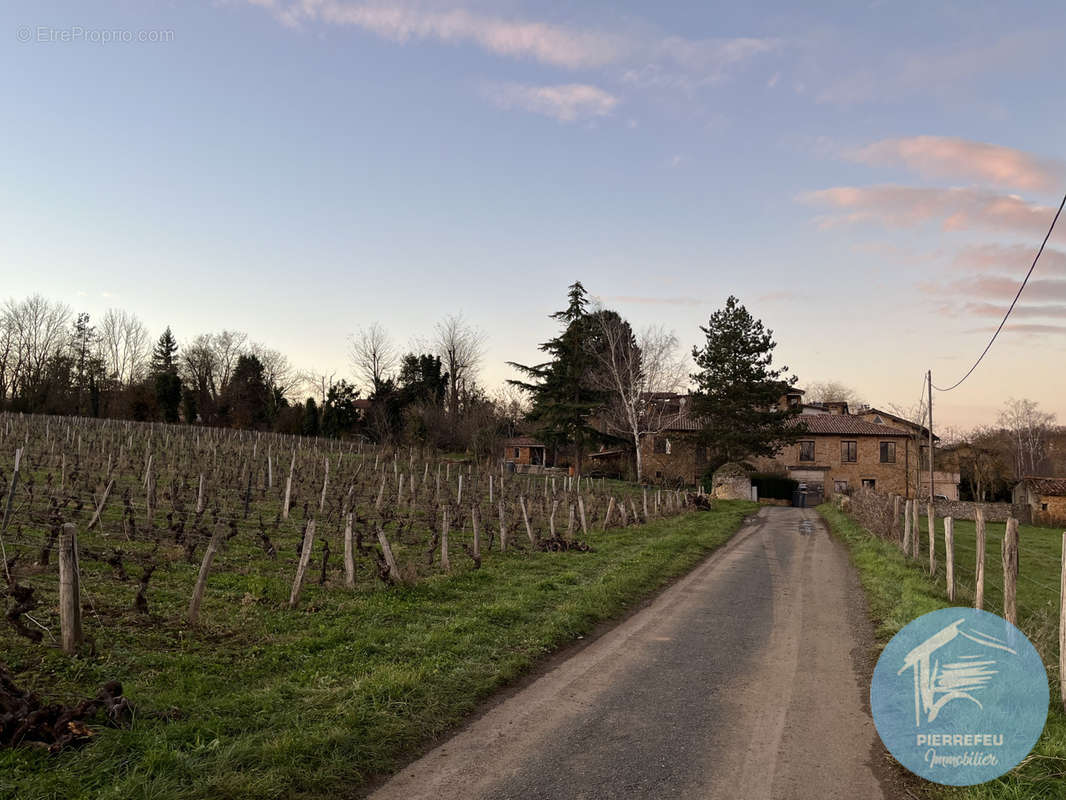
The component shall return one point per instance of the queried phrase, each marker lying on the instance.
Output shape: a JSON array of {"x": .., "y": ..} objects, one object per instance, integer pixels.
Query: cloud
[
  {"x": 1001, "y": 288},
  {"x": 991, "y": 257},
  {"x": 943, "y": 70},
  {"x": 909, "y": 206},
  {"x": 1026, "y": 328},
  {"x": 703, "y": 60},
  {"x": 567, "y": 102},
  {"x": 952, "y": 157},
  {"x": 997, "y": 311}
]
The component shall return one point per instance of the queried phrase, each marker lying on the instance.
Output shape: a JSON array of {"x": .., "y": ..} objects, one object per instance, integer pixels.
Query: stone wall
[{"x": 994, "y": 512}]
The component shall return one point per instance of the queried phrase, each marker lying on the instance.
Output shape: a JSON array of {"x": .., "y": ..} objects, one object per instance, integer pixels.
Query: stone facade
[
  {"x": 673, "y": 457},
  {"x": 822, "y": 459}
]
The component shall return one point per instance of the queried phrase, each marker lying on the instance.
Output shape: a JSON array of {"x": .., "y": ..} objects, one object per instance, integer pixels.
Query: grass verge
[
  {"x": 318, "y": 700},
  {"x": 899, "y": 590}
]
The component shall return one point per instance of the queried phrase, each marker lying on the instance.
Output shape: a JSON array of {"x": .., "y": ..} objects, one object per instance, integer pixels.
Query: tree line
[{"x": 53, "y": 361}]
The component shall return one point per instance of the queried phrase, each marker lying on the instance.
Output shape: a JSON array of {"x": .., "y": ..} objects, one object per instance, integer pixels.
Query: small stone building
[
  {"x": 525, "y": 451},
  {"x": 1045, "y": 496}
]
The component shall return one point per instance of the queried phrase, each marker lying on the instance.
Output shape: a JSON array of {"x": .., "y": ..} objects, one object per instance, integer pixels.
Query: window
[
  {"x": 1043, "y": 506},
  {"x": 878, "y": 420},
  {"x": 806, "y": 451},
  {"x": 840, "y": 487},
  {"x": 849, "y": 451},
  {"x": 888, "y": 452},
  {"x": 660, "y": 445},
  {"x": 516, "y": 452},
  {"x": 869, "y": 483}
]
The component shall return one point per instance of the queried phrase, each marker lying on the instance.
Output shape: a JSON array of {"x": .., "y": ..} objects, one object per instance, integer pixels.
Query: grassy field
[
  {"x": 899, "y": 590},
  {"x": 318, "y": 700}
]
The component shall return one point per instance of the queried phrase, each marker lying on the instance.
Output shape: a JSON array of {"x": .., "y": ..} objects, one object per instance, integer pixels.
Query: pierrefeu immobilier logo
[{"x": 959, "y": 696}]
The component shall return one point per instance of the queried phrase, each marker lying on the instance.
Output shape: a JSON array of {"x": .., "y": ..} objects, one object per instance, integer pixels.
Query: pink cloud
[
  {"x": 567, "y": 102},
  {"x": 1025, "y": 328},
  {"x": 1002, "y": 288},
  {"x": 548, "y": 43},
  {"x": 910, "y": 206},
  {"x": 997, "y": 311},
  {"x": 952, "y": 157},
  {"x": 992, "y": 257}
]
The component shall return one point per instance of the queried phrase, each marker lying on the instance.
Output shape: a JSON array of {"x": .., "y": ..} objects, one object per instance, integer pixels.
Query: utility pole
[{"x": 929, "y": 380}]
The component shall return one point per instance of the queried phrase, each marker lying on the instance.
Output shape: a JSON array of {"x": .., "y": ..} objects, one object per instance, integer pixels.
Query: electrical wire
[{"x": 1013, "y": 302}]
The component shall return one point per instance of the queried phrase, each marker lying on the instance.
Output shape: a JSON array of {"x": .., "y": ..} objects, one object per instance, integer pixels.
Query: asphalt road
[{"x": 743, "y": 680}]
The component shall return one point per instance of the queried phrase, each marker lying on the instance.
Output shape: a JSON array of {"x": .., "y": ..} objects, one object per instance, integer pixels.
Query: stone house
[
  {"x": 1045, "y": 496},
  {"x": 945, "y": 480},
  {"x": 841, "y": 452}
]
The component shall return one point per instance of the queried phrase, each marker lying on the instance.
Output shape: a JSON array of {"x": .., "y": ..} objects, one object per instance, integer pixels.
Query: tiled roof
[
  {"x": 523, "y": 441},
  {"x": 846, "y": 425},
  {"x": 1055, "y": 487}
]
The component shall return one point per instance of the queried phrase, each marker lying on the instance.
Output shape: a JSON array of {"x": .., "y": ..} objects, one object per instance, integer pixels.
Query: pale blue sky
[{"x": 868, "y": 179}]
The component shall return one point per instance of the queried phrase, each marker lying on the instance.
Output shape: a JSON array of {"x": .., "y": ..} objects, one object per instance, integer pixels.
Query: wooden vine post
[
  {"x": 349, "y": 557},
  {"x": 503, "y": 530},
  {"x": 1010, "y": 572},
  {"x": 69, "y": 590},
  {"x": 301, "y": 568},
  {"x": 445, "y": 562},
  {"x": 205, "y": 568}
]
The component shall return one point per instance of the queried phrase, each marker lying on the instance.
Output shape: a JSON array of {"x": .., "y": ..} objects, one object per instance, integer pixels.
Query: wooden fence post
[
  {"x": 931, "y": 516},
  {"x": 895, "y": 517},
  {"x": 979, "y": 588},
  {"x": 907, "y": 528},
  {"x": 607, "y": 516},
  {"x": 394, "y": 573},
  {"x": 581, "y": 509},
  {"x": 475, "y": 522},
  {"x": 305, "y": 558},
  {"x": 1010, "y": 572},
  {"x": 69, "y": 589},
  {"x": 916, "y": 539},
  {"x": 949, "y": 555},
  {"x": 205, "y": 568},
  {"x": 1062, "y": 623}
]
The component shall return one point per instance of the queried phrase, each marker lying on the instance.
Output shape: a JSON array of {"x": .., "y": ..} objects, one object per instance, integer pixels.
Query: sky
[{"x": 871, "y": 180}]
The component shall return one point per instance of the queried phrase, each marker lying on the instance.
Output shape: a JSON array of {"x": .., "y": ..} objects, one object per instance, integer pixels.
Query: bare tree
[
  {"x": 373, "y": 356},
  {"x": 636, "y": 374},
  {"x": 316, "y": 383},
  {"x": 1030, "y": 430},
  {"x": 277, "y": 371},
  {"x": 228, "y": 347},
  {"x": 461, "y": 348},
  {"x": 126, "y": 346},
  {"x": 198, "y": 365},
  {"x": 38, "y": 330},
  {"x": 832, "y": 392}
]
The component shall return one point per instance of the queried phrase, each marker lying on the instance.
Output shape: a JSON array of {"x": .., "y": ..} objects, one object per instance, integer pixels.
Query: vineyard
[{"x": 196, "y": 550}]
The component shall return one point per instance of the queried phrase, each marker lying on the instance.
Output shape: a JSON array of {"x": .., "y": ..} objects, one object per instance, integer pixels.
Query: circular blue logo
[{"x": 959, "y": 696}]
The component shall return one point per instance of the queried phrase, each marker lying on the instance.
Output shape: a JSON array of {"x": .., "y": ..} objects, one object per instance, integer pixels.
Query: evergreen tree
[
  {"x": 339, "y": 414},
  {"x": 738, "y": 390},
  {"x": 164, "y": 370},
  {"x": 310, "y": 423},
  {"x": 246, "y": 398},
  {"x": 87, "y": 367},
  {"x": 164, "y": 356},
  {"x": 561, "y": 389}
]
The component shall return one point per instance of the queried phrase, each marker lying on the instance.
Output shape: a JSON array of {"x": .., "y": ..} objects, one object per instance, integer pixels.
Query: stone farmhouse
[{"x": 1046, "y": 497}]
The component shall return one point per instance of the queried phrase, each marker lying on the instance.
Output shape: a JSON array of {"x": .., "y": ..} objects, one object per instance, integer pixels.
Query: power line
[{"x": 1013, "y": 302}]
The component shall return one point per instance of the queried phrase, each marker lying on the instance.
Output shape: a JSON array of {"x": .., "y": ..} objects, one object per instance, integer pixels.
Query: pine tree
[
  {"x": 164, "y": 369},
  {"x": 563, "y": 397},
  {"x": 164, "y": 356},
  {"x": 738, "y": 390}
]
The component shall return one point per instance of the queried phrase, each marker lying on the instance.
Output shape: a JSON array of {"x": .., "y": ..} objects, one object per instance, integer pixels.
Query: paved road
[{"x": 740, "y": 681}]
